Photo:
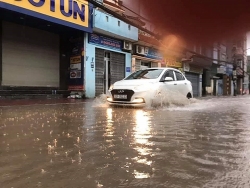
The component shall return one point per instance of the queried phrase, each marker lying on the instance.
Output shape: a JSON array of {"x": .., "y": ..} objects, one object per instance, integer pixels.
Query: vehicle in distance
[{"x": 137, "y": 89}]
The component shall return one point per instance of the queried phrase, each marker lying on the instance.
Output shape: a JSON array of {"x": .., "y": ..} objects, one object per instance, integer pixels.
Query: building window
[
  {"x": 129, "y": 27},
  {"x": 239, "y": 63},
  {"x": 107, "y": 19},
  {"x": 119, "y": 23}
]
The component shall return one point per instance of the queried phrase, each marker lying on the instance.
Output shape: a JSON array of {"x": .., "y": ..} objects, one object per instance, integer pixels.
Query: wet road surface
[{"x": 87, "y": 144}]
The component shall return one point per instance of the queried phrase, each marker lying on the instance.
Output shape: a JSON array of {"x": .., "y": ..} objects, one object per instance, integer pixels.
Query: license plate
[{"x": 120, "y": 96}]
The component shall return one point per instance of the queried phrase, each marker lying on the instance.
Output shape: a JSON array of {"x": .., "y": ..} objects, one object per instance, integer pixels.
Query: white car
[{"x": 137, "y": 89}]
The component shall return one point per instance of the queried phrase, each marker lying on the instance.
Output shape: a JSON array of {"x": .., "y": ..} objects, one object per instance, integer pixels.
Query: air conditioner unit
[
  {"x": 146, "y": 50},
  {"x": 127, "y": 45},
  {"x": 140, "y": 50},
  {"x": 99, "y": 1}
]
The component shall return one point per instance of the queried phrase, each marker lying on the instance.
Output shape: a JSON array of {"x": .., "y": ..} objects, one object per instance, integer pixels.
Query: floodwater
[{"x": 202, "y": 144}]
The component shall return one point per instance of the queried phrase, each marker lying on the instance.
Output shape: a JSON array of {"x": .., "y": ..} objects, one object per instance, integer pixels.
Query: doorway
[
  {"x": 107, "y": 72},
  {"x": 109, "y": 68}
]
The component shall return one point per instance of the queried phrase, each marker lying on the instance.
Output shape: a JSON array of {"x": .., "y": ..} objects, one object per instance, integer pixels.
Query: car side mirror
[{"x": 168, "y": 79}]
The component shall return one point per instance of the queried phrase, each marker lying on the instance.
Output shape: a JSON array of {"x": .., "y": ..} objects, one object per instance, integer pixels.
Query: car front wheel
[{"x": 189, "y": 96}]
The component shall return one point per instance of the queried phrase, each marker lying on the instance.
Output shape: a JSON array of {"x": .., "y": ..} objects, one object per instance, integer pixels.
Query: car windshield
[{"x": 145, "y": 74}]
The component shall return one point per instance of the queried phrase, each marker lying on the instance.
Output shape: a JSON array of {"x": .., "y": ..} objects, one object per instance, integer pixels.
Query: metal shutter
[
  {"x": 194, "y": 79},
  {"x": 30, "y": 56},
  {"x": 99, "y": 71},
  {"x": 117, "y": 63}
]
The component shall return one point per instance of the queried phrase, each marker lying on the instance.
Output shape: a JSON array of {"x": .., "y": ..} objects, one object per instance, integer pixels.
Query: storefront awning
[{"x": 201, "y": 62}]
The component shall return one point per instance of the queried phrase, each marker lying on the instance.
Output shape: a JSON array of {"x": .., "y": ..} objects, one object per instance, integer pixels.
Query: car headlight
[
  {"x": 111, "y": 87},
  {"x": 142, "y": 88}
]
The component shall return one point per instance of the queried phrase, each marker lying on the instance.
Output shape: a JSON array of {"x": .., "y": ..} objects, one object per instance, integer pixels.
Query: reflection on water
[
  {"x": 204, "y": 144},
  {"x": 142, "y": 135},
  {"x": 142, "y": 127},
  {"x": 109, "y": 127}
]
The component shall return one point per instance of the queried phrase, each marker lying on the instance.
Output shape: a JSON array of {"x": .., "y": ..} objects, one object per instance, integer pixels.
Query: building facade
[
  {"x": 236, "y": 53},
  {"x": 42, "y": 45},
  {"x": 62, "y": 47},
  {"x": 221, "y": 72},
  {"x": 72, "y": 46},
  {"x": 108, "y": 52}
]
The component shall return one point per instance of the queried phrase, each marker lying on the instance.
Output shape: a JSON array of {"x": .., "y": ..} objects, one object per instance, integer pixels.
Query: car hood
[{"x": 137, "y": 82}]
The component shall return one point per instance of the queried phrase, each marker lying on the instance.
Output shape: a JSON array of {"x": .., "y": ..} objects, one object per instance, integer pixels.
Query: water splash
[
  {"x": 100, "y": 101},
  {"x": 170, "y": 99}
]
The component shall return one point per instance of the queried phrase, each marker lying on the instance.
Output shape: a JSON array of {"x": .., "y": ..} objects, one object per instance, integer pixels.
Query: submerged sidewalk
[{"x": 25, "y": 102}]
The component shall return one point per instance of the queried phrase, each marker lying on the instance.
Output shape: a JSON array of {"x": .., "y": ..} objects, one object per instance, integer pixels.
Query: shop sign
[
  {"x": 76, "y": 64},
  {"x": 71, "y": 13},
  {"x": 221, "y": 70},
  {"x": 173, "y": 63},
  {"x": 153, "y": 54},
  {"x": 128, "y": 69},
  {"x": 105, "y": 41},
  {"x": 76, "y": 81},
  {"x": 186, "y": 67}
]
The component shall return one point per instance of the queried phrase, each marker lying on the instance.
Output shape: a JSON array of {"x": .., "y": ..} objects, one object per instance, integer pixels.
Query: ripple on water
[{"x": 201, "y": 144}]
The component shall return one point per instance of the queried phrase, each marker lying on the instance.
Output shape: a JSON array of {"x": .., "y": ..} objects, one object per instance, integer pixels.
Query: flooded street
[{"x": 85, "y": 144}]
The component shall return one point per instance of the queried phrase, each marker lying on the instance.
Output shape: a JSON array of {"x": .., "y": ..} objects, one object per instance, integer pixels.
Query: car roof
[{"x": 163, "y": 68}]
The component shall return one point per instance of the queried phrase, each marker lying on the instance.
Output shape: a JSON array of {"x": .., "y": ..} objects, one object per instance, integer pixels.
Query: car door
[
  {"x": 181, "y": 83},
  {"x": 168, "y": 86}
]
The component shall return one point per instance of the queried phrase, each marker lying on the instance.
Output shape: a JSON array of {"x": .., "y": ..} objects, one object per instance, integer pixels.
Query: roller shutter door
[
  {"x": 99, "y": 71},
  {"x": 30, "y": 56},
  {"x": 194, "y": 79},
  {"x": 117, "y": 66},
  {"x": 117, "y": 63}
]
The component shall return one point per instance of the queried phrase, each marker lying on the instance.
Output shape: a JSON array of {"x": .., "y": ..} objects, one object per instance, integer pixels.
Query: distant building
[{"x": 236, "y": 54}]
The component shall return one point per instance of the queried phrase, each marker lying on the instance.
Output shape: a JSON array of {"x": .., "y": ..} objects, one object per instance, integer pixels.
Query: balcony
[
  {"x": 238, "y": 52},
  {"x": 108, "y": 25}
]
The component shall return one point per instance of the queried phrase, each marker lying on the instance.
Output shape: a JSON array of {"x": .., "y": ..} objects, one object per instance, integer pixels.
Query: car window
[
  {"x": 168, "y": 73},
  {"x": 145, "y": 74},
  {"x": 179, "y": 76}
]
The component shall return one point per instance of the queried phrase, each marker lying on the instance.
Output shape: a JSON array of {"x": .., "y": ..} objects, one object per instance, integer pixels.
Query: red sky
[{"x": 200, "y": 20}]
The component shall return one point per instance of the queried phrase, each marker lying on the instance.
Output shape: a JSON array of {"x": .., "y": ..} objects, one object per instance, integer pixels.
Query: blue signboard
[
  {"x": 154, "y": 54},
  {"x": 229, "y": 69},
  {"x": 105, "y": 41},
  {"x": 128, "y": 69}
]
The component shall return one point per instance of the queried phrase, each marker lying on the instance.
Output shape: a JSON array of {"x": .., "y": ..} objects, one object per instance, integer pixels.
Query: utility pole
[
  {"x": 243, "y": 82},
  {"x": 234, "y": 76}
]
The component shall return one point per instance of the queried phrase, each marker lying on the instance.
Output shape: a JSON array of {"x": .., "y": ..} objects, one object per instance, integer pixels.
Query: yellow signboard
[
  {"x": 173, "y": 63},
  {"x": 75, "y": 59},
  {"x": 72, "y": 13}
]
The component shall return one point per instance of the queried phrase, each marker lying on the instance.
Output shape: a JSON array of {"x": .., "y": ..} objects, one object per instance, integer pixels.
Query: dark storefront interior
[{"x": 65, "y": 48}]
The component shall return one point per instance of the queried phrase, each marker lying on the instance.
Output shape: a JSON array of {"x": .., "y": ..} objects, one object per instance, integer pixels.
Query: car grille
[{"x": 127, "y": 92}]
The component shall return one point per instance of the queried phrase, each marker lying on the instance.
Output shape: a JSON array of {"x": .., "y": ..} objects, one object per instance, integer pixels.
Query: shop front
[
  {"x": 225, "y": 83},
  {"x": 194, "y": 75},
  {"x": 38, "y": 44},
  {"x": 106, "y": 63}
]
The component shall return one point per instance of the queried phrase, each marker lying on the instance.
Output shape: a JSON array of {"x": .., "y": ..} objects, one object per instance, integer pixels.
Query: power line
[{"x": 135, "y": 13}]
